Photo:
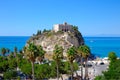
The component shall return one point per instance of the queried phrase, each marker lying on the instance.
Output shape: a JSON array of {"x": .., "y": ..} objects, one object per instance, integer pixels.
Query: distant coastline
[
  {"x": 84, "y": 35},
  {"x": 103, "y": 35}
]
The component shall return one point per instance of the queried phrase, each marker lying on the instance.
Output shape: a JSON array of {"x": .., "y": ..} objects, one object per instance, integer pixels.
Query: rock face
[{"x": 48, "y": 40}]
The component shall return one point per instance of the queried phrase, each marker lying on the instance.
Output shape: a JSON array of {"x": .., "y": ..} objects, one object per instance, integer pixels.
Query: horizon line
[{"x": 32, "y": 35}]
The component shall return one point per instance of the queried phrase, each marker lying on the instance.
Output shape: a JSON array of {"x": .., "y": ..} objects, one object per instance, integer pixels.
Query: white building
[{"x": 62, "y": 27}]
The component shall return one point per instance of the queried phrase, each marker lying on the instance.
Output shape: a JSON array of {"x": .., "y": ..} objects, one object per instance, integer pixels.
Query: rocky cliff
[{"x": 49, "y": 39}]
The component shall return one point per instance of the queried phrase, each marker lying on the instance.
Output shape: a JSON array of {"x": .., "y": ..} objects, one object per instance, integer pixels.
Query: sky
[{"x": 93, "y": 17}]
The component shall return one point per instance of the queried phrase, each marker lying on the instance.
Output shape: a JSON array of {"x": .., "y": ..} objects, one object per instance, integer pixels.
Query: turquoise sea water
[
  {"x": 100, "y": 46},
  {"x": 12, "y": 41}
]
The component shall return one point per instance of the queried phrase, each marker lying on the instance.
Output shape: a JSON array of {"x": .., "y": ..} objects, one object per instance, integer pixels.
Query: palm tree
[
  {"x": 71, "y": 54},
  {"x": 80, "y": 52},
  {"x": 8, "y": 50},
  {"x": 85, "y": 52},
  {"x": 41, "y": 53},
  {"x": 21, "y": 53},
  {"x": 15, "y": 51},
  {"x": 31, "y": 52},
  {"x": 3, "y": 51},
  {"x": 19, "y": 57},
  {"x": 57, "y": 56}
]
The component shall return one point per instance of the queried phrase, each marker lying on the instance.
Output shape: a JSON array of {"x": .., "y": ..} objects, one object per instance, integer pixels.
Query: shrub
[{"x": 10, "y": 74}]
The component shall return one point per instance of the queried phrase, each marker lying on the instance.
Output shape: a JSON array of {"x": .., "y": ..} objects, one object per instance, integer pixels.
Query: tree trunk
[
  {"x": 57, "y": 72},
  {"x": 71, "y": 66},
  {"x": 33, "y": 77},
  {"x": 75, "y": 71},
  {"x": 86, "y": 69},
  {"x": 61, "y": 77},
  {"x": 81, "y": 63},
  {"x": 15, "y": 54}
]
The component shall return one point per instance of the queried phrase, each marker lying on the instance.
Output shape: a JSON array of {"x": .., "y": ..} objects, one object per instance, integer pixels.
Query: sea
[{"x": 99, "y": 46}]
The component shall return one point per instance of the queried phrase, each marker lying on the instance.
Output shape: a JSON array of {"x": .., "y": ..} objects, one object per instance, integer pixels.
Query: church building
[{"x": 62, "y": 27}]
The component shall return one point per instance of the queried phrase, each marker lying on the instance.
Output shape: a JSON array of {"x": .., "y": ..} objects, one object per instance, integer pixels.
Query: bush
[
  {"x": 26, "y": 68},
  {"x": 4, "y": 66},
  {"x": 10, "y": 74},
  {"x": 99, "y": 78},
  {"x": 42, "y": 71},
  {"x": 12, "y": 63},
  {"x": 112, "y": 56}
]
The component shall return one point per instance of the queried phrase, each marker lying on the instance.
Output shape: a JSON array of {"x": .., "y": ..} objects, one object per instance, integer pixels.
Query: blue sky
[{"x": 93, "y": 17}]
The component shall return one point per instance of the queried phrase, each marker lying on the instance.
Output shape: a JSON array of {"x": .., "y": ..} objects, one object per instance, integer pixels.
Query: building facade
[{"x": 62, "y": 27}]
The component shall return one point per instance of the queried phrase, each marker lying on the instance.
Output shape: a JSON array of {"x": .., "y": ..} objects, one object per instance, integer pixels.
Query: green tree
[
  {"x": 75, "y": 28},
  {"x": 26, "y": 68},
  {"x": 112, "y": 56},
  {"x": 80, "y": 53},
  {"x": 85, "y": 52},
  {"x": 4, "y": 65},
  {"x": 8, "y": 50},
  {"x": 19, "y": 57},
  {"x": 42, "y": 71},
  {"x": 41, "y": 52},
  {"x": 1, "y": 59},
  {"x": 3, "y": 51},
  {"x": 53, "y": 72},
  {"x": 57, "y": 56},
  {"x": 10, "y": 75},
  {"x": 44, "y": 30},
  {"x": 39, "y": 32},
  {"x": 31, "y": 53},
  {"x": 12, "y": 63},
  {"x": 71, "y": 54},
  {"x": 15, "y": 51},
  {"x": 11, "y": 56}
]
